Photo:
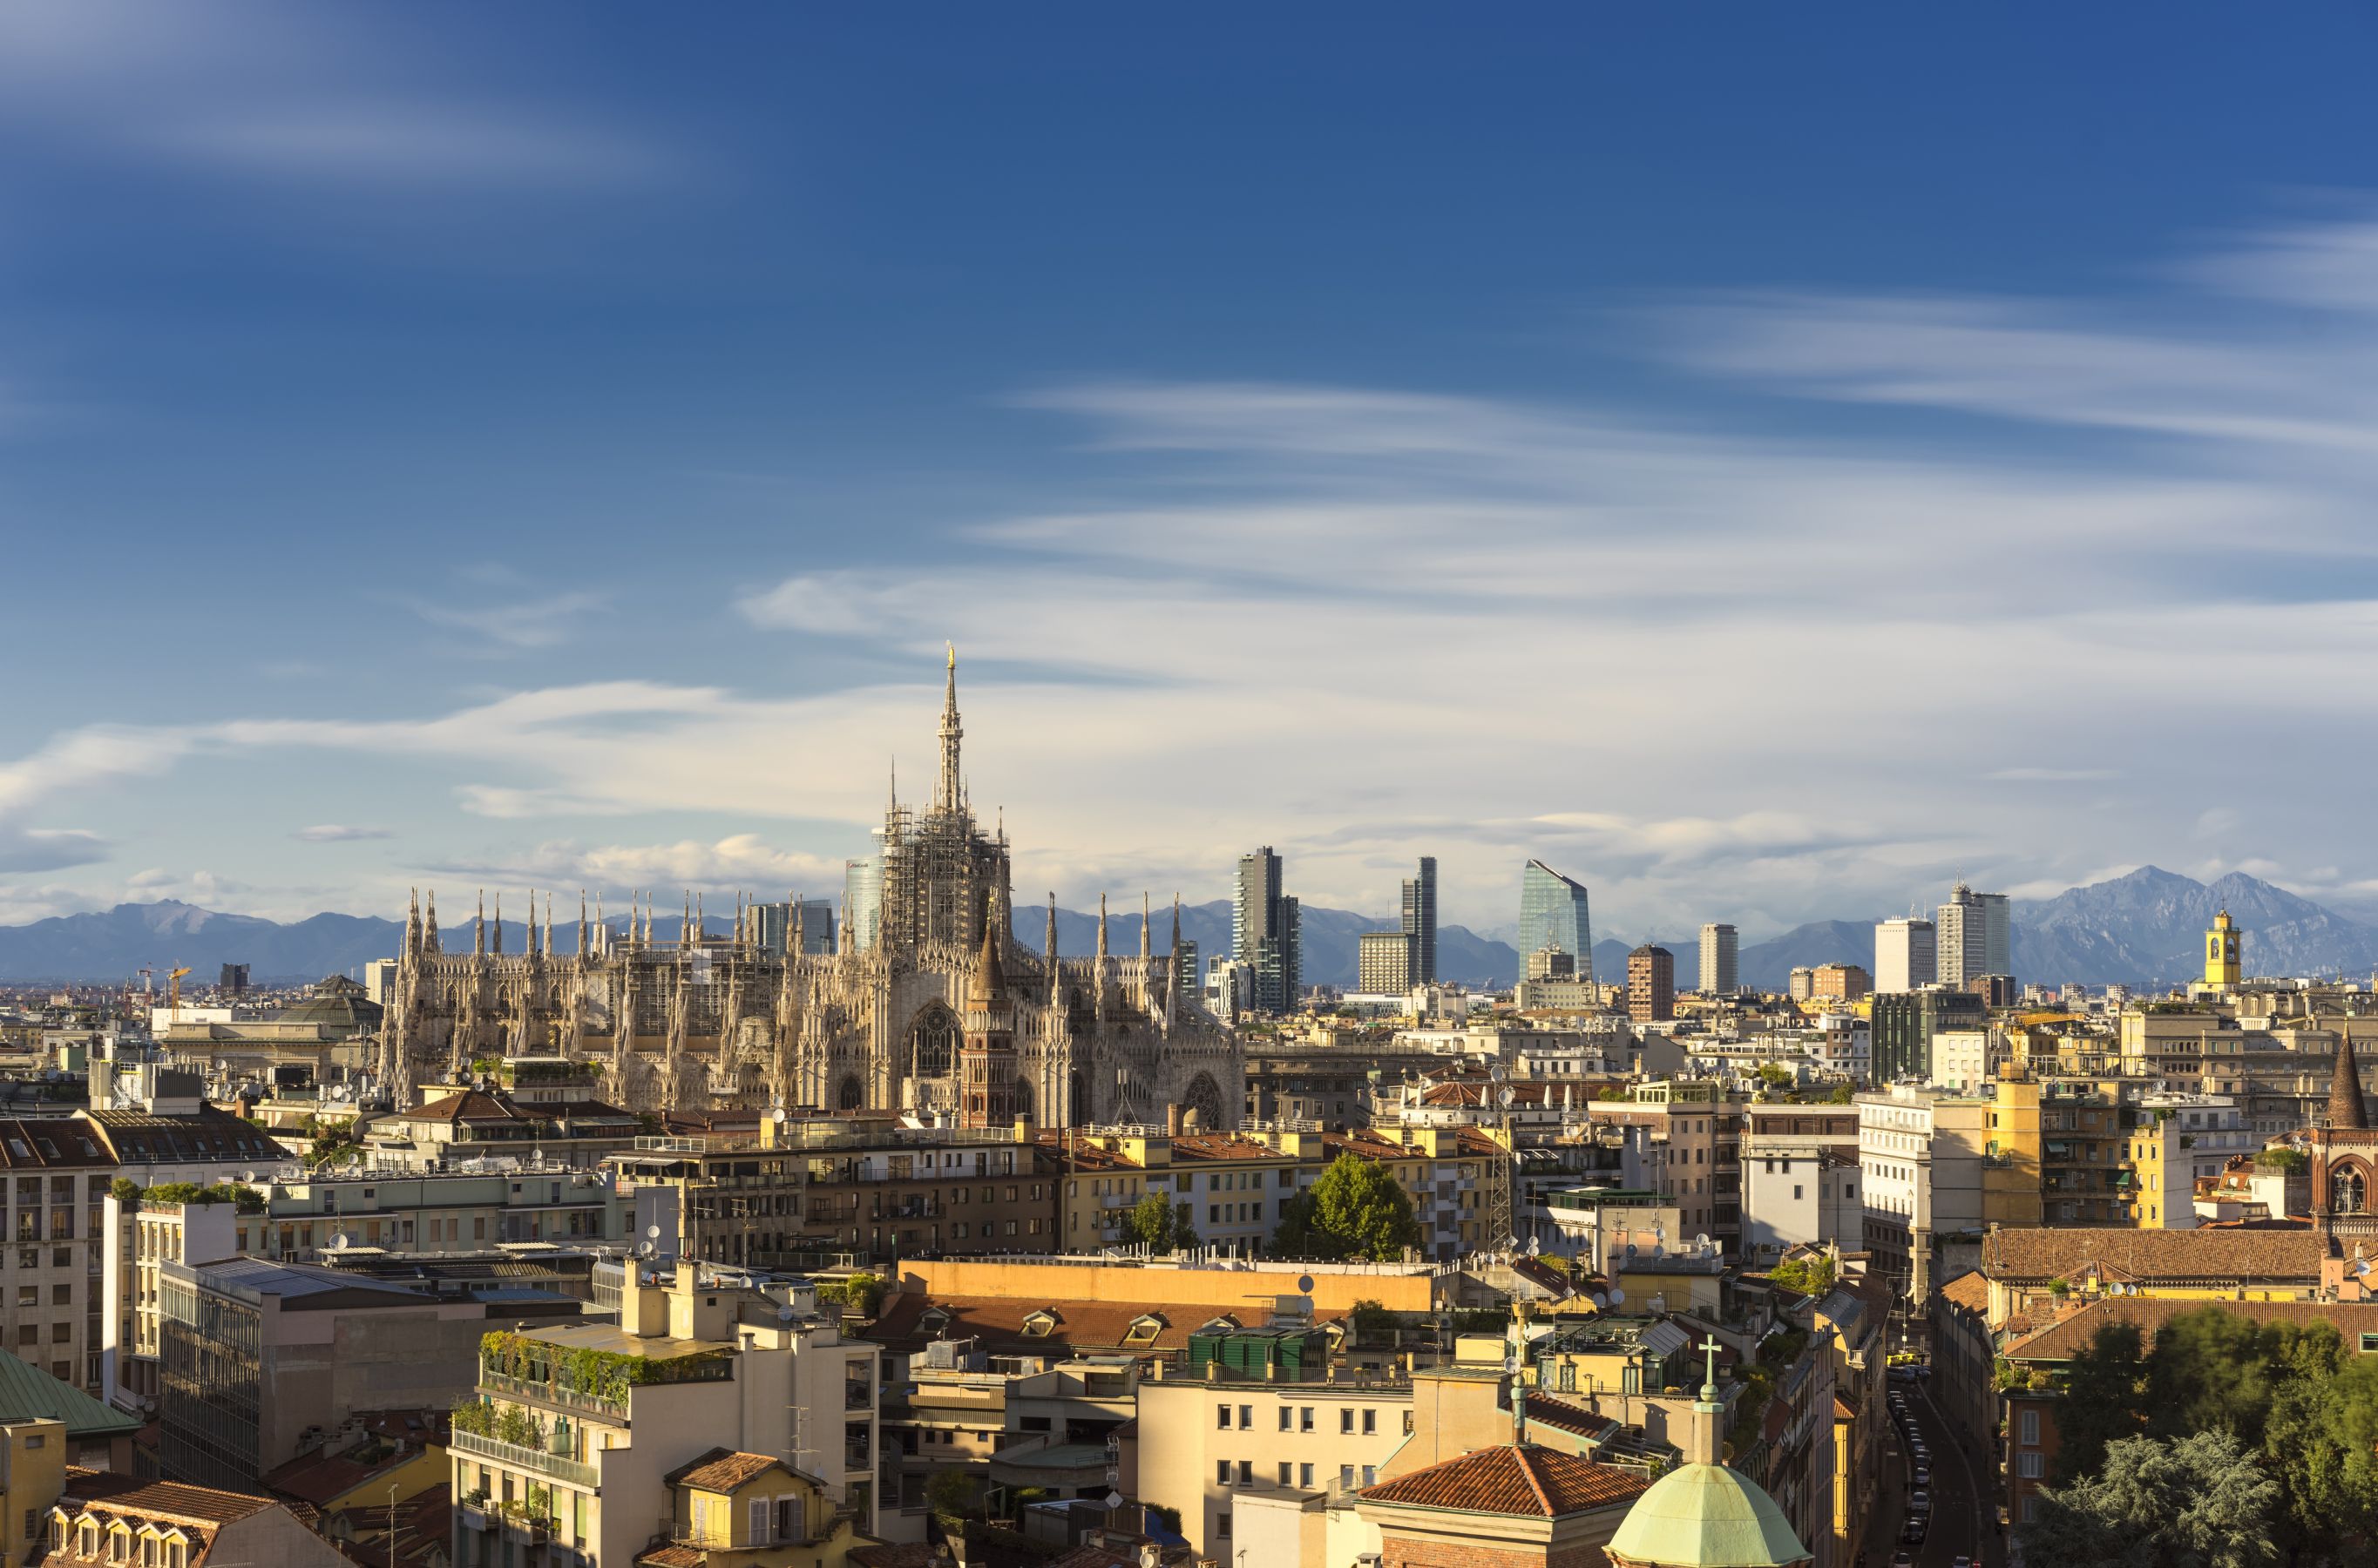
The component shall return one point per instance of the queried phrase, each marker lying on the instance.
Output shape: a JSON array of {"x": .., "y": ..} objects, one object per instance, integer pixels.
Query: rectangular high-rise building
[
  {"x": 1419, "y": 920},
  {"x": 1721, "y": 960},
  {"x": 1385, "y": 962},
  {"x": 1264, "y": 934},
  {"x": 773, "y": 924},
  {"x": 1650, "y": 985},
  {"x": 1976, "y": 936},
  {"x": 1553, "y": 914},
  {"x": 1907, "y": 955}
]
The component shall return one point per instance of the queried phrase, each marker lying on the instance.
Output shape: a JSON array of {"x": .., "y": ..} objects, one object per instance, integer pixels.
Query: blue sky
[{"x": 1764, "y": 463}]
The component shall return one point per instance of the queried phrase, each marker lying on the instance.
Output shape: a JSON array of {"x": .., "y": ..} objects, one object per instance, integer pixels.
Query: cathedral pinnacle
[
  {"x": 951, "y": 792},
  {"x": 2344, "y": 1108}
]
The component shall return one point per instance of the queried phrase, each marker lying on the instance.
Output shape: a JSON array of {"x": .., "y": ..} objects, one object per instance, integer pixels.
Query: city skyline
[{"x": 660, "y": 605}]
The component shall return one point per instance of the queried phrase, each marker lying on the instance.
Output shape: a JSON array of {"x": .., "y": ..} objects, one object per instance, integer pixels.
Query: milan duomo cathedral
[{"x": 941, "y": 1012}]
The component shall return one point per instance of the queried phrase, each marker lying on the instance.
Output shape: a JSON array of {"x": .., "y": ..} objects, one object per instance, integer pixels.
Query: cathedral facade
[{"x": 705, "y": 1022}]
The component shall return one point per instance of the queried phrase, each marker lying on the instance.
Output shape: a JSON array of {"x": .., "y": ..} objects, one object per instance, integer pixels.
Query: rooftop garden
[{"x": 605, "y": 1375}]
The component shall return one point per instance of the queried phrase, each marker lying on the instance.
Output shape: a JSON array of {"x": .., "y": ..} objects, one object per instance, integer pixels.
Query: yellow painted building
[
  {"x": 32, "y": 1475},
  {"x": 736, "y": 1509}
]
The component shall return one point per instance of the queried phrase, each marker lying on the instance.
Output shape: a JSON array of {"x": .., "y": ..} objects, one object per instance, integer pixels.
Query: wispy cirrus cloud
[
  {"x": 336, "y": 832},
  {"x": 268, "y": 93}
]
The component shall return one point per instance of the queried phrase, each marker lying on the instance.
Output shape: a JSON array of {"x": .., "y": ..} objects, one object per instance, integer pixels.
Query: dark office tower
[
  {"x": 1419, "y": 920},
  {"x": 1263, "y": 932},
  {"x": 235, "y": 979}
]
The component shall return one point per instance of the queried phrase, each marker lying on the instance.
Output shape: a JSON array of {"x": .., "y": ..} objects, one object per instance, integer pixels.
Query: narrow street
[{"x": 1963, "y": 1511}]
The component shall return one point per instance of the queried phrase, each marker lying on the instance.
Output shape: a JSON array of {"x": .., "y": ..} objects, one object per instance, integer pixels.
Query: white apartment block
[
  {"x": 1797, "y": 1195},
  {"x": 1906, "y": 955},
  {"x": 1919, "y": 1157}
]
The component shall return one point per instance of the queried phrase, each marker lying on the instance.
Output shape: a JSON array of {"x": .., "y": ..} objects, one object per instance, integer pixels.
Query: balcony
[
  {"x": 536, "y": 1461},
  {"x": 553, "y": 1395}
]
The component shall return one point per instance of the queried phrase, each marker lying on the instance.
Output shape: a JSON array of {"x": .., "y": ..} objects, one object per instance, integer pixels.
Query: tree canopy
[
  {"x": 1811, "y": 1276},
  {"x": 2294, "y": 1400},
  {"x": 1355, "y": 1210},
  {"x": 2195, "y": 1502},
  {"x": 1155, "y": 1224}
]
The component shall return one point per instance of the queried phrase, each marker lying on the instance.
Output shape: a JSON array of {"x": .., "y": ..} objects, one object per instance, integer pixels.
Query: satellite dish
[
  {"x": 653, "y": 1232},
  {"x": 1660, "y": 1231},
  {"x": 1305, "y": 1284},
  {"x": 339, "y": 1241},
  {"x": 1505, "y": 1096},
  {"x": 1535, "y": 1245},
  {"x": 1700, "y": 1242},
  {"x": 784, "y": 1314},
  {"x": 1631, "y": 1249}
]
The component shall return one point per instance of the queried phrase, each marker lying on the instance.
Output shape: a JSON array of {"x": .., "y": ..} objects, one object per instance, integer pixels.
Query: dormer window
[
  {"x": 1144, "y": 1330},
  {"x": 933, "y": 1320},
  {"x": 1038, "y": 1324}
]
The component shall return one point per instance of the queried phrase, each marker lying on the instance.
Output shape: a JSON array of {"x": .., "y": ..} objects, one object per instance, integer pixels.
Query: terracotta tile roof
[
  {"x": 1568, "y": 1417},
  {"x": 1222, "y": 1146},
  {"x": 673, "y": 1557},
  {"x": 1970, "y": 1290},
  {"x": 2151, "y": 1255},
  {"x": 723, "y": 1469},
  {"x": 1087, "y": 1555},
  {"x": 184, "y": 1505},
  {"x": 2061, "y": 1340},
  {"x": 41, "y": 1142},
  {"x": 903, "y": 1554},
  {"x": 1538, "y": 1483}
]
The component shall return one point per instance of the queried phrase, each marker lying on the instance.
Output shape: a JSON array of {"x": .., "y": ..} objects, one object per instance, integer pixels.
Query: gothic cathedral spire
[{"x": 948, "y": 795}]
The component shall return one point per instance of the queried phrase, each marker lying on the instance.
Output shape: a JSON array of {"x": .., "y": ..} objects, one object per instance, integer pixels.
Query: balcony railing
[
  {"x": 532, "y": 1459},
  {"x": 553, "y": 1394}
]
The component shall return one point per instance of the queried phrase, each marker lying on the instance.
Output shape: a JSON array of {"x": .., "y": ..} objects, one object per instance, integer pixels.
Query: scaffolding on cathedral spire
[{"x": 479, "y": 927}]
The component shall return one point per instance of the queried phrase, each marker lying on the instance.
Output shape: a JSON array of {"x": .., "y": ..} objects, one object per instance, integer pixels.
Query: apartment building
[
  {"x": 1202, "y": 1442},
  {"x": 1799, "y": 1195},
  {"x": 257, "y": 1357},
  {"x": 1920, "y": 1159},
  {"x": 55, "y": 1174},
  {"x": 2180, "y": 1141},
  {"x": 582, "y": 1434},
  {"x": 1695, "y": 1148}
]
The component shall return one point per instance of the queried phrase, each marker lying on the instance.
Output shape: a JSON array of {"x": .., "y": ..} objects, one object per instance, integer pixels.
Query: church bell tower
[{"x": 2223, "y": 968}]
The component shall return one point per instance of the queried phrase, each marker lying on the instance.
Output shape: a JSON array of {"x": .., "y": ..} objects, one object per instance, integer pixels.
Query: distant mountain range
[{"x": 2140, "y": 930}]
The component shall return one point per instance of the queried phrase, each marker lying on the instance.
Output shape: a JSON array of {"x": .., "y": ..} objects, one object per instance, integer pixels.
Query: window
[
  {"x": 2030, "y": 1466},
  {"x": 1222, "y": 1472},
  {"x": 1287, "y": 1413},
  {"x": 1287, "y": 1473},
  {"x": 1305, "y": 1419},
  {"x": 2029, "y": 1429},
  {"x": 1346, "y": 1419},
  {"x": 1247, "y": 1472},
  {"x": 1346, "y": 1477},
  {"x": 1370, "y": 1422},
  {"x": 1304, "y": 1475},
  {"x": 1222, "y": 1525},
  {"x": 1246, "y": 1417},
  {"x": 2368, "y": 1343},
  {"x": 28, "y": 1296}
]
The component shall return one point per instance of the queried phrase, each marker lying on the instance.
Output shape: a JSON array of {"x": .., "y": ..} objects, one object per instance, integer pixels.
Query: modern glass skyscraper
[
  {"x": 1264, "y": 932},
  {"x": 862, "y": 900},
  {"x": 1552, "y": 912},
  {"x": 1419, "y": 920}
]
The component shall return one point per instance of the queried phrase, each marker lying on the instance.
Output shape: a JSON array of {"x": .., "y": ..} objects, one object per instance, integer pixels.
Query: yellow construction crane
[{"x": 173, "y": 997}]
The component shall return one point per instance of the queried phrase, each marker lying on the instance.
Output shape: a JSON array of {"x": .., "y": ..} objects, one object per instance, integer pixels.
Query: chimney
[{"x": 1173, "y": 1120}]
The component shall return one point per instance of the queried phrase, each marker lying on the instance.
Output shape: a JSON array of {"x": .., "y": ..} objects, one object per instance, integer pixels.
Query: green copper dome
[{"x": 1707, "y": 1516}]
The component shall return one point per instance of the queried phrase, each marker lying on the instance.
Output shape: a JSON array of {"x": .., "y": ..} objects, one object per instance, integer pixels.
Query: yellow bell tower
[{"x": 2222, "y": 969}]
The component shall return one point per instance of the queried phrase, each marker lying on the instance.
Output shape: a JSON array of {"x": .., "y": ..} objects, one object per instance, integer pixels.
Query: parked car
[
  {"x": 1919, "y": 1502},
  {"x": 1914, "y": 1533},
  {"x": 1923, "y": 1476}
]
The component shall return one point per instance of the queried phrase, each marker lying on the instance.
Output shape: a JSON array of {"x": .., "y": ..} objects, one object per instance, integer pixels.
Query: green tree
[
  {"x": 1355, "y": 1210},
  {"x": 950, "y": 1495},
  {"x": 1775, "y": 1075},
  {"x": 1372, "y": 1323},
  {"x": 1811, "y": 1276},
  {"x": 2104, "y": 1389},
  {"x": 2321, "y": 1444},
  {"x": 2196, "y": 1501},
  {"x": 2213, "y": 1371},
  {"x": 1154, "y": 1223}
]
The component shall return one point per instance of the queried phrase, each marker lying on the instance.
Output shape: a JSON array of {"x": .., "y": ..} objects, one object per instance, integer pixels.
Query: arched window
[
  {"x": 936, "y": 1043},
  {"x": 852, "y": 1094},
  {"x": 2347, "y": 1192}
]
